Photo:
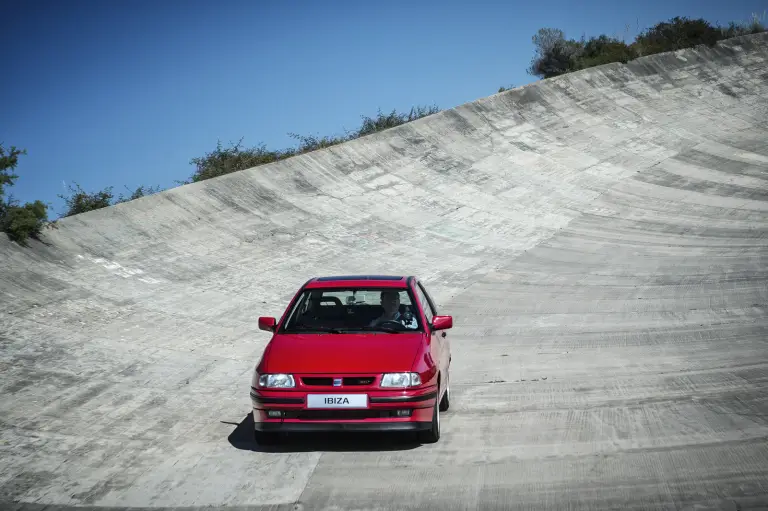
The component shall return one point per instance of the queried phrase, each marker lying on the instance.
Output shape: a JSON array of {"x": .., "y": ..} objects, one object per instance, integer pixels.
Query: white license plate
[{"x": 337, "y": 401}]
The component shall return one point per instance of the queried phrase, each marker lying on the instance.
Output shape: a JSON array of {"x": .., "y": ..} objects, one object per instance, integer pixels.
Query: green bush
[
  {"x": 18, "y": 222},
  {"x": 223, "y": 161},
  {"x": 8, "y": 163},
  {"x": 23, "y": 222},
  {"x": 555, "y": 55},
  {"x": 385, "y": 121},
  {"x": 139, "y": 192},
  {"x": 81, "y": 201},
  {"x": 676, "y": 34},
  {"x": 603, "y": 50},
  {"x": 308, "y": 143}
]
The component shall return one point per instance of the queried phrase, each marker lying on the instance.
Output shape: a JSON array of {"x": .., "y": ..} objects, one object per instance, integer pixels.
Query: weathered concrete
[{"x": 600, "y": 239}]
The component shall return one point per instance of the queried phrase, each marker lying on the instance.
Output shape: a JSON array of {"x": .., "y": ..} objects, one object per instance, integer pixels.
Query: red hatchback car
[{"x": 363, "y": 353}]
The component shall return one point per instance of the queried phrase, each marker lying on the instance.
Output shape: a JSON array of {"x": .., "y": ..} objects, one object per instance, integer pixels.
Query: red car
[{"x": 363, "y": 353}]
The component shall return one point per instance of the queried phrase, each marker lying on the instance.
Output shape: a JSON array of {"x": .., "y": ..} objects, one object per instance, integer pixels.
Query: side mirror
[
  {"x": 442, "y": 322},
  {"x": 267, "y": 324}
]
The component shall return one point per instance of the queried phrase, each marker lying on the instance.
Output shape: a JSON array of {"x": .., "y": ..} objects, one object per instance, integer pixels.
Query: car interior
[{"x": 331, "y": 312}]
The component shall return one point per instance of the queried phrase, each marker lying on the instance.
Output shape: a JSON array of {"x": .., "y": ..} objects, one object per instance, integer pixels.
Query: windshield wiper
[
  {"x": 382, "y": 328},
  {"x": 317, "y": 328}
]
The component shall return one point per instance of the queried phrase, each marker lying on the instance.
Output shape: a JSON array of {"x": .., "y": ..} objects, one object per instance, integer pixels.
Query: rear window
[{"x": 353, "y": 309}]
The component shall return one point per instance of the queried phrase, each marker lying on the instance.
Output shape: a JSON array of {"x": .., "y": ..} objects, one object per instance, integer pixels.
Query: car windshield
[{"x": 341, "y": 310}]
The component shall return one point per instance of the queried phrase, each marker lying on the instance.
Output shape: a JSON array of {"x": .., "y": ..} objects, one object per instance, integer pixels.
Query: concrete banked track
[{"x": 599, "y": 238}]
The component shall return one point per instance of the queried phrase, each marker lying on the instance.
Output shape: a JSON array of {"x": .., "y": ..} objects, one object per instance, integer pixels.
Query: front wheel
[{"x": 432, "y": 435}]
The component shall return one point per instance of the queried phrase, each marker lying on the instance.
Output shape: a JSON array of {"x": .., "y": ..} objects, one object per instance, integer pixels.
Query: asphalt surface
[{"x": 600, "y": 239}]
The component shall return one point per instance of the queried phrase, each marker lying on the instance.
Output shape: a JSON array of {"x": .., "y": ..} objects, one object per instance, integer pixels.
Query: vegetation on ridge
[
  {"x": 554, "y": 55},
  {"x": 222, "y": 161},
  {"x": 18, "y": 222},
  {"x": 23, "y": 222}
]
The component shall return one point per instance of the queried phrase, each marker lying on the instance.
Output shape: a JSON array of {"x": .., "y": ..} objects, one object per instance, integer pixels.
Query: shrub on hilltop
[
  {"x": 555, "y": 55},
  {"x": 81, "y": 201},
  {"x": 223, "y": 161},
  {"x": 676, "y": 34},
  {"x": 19, "y": 222},
  {"x": 604, "y": 50}
]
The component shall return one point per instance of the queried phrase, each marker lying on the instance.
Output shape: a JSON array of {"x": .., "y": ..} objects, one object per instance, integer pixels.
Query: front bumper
[
  {"x": 380, "y": 414},
  {"x": 307, "y": 427}
]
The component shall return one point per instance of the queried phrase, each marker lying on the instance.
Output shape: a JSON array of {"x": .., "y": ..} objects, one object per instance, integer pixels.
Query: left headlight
[
  {"x": 277, "y": 381},
  {"x": 400, "y": 380}
]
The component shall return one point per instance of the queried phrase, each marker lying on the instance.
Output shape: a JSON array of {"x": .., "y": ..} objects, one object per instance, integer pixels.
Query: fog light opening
[
  {"x": 274, "y": 414},
  {"x": 403, "y": 413}
]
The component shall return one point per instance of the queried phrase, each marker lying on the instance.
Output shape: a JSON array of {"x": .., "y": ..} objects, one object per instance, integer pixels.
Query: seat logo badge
[{"x": 337, "y": 382}]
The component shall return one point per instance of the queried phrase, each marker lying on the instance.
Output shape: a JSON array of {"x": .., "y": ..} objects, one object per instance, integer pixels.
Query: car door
[
  {"x": 444, "y": 335},
  {"x": 437, "y": 340}
]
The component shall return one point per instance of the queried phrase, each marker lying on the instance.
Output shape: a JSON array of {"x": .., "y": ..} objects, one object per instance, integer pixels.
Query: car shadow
[{"x": 344, "y": 441}]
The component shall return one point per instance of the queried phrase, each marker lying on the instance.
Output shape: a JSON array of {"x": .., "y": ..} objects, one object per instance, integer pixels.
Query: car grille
[{"x": 323, "y": 381}]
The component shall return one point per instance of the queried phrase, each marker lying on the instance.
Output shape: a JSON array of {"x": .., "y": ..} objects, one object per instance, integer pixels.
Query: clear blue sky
[{"x": 113, "y": 92}]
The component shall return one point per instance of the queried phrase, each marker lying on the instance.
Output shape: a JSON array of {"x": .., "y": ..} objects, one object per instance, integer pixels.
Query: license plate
[{"x": 337, "y": 401}]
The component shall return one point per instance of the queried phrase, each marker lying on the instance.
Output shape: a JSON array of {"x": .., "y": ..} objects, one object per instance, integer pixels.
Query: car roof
[{"x": 398, "y": 281}]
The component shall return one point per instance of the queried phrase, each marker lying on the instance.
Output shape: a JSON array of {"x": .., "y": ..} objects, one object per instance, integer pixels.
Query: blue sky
[{"x": 114, "y": 93}]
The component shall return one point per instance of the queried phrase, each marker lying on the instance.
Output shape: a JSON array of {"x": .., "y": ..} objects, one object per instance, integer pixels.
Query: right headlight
[
  {"x": 277, "y": 381},
  {"x": 400, "y": 380}
]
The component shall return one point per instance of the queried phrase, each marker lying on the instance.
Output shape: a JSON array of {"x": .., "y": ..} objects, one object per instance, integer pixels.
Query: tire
[
  {"x": 445, "y": 403},
  {"x": 266, "y": 437},
  {"x": 432, "y": 435}
]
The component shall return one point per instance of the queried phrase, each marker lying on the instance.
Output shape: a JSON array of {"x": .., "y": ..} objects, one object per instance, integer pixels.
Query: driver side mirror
[
  {"x": 442, "y": 322},
  {"x": 267, "y": 324}
]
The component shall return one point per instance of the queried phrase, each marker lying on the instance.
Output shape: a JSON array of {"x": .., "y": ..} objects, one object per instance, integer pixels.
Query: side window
[
  {"x": 426, "y": 304},
  {"x": 298, "y": 309}
]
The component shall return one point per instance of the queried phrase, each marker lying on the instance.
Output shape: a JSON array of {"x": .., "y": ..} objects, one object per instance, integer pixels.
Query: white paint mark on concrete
[{"x": 119, "y": 270}]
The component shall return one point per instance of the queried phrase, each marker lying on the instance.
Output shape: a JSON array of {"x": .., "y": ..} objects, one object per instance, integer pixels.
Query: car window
[
  {"x": 353, "y": 309},
  {"x": 426, "y": 304}
]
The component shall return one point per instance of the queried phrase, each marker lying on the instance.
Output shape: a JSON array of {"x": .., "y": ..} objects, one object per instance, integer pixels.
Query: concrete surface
[{"x": 600, "y": 238}]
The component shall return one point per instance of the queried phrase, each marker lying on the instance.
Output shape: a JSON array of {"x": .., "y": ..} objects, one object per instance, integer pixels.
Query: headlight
[
  {"x": 400, "y": 380},
  {"x": 278, "y": 381}
]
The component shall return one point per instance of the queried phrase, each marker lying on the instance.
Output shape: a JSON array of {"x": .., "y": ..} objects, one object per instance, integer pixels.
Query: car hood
[{"x": 342, "y": 353}]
